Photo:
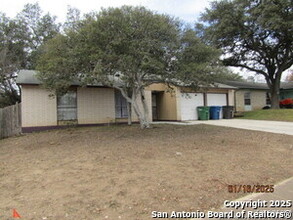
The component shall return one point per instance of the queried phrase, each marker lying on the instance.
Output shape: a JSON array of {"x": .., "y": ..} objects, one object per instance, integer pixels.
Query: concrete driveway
[{"x": 257, "y": 125}]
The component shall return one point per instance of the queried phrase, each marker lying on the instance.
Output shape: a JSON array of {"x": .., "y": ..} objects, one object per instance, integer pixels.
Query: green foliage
[
  {"x": 20, "y": 40},
  {"x": 126, "y": 48},
  {"x": 38, "y": 28},
  {"x": 197, "y": 63},
  {"x": 57, "y": 64},
  {"x": 228, "y": 76},
  {"x": 73, "y": 19},
  {"x": 12, "y": 56},
  {"x": 256, "y": 35},
  {"x": 132, "y": 42}
]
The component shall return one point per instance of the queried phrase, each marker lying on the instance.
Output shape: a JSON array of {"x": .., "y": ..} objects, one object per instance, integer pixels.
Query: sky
[{"x": 186, "y": 10}]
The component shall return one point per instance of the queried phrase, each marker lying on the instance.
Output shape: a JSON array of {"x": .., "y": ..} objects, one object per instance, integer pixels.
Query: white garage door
[
  {"x": 189, "y": 104},
  {"x": 217, "y": 99}
]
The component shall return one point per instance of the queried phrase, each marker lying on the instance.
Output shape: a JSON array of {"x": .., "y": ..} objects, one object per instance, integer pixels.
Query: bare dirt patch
[{"x": 122, "y": 172}]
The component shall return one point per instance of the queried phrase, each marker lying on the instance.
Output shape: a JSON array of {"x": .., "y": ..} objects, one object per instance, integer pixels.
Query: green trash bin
[{"x": 203, "y": 112}]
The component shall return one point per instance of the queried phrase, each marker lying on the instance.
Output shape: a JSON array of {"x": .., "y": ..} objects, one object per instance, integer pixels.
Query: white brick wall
[
  {"x": 258, "y": 99},
  {"x": 95, "y": 105},
  {"x": 38, "y": 109}
]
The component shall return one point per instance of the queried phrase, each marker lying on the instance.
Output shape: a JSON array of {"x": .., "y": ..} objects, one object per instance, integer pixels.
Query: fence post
[
  {"x": 1, "y": 123},
  {"x": 15, "y": 128},
  {"x": 18, "y": 122},
  {"x": 10, "y": 121}
]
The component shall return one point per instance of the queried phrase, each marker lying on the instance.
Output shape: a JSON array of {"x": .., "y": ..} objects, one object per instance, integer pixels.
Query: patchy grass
[
  {"x": 122, "y": 172},
  {"x": 270, "y": 114}
]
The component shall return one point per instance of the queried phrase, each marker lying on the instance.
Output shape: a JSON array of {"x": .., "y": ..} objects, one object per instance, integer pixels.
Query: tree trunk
[
  {"x": 275, "y": 100},
  {"x": 138, "y": 102},
  {"x": 145, "y": 109},
  {"x": 129, "y": 111},
  {"x": 141, "y": 109},
  {"x": 275, "y": 94}
]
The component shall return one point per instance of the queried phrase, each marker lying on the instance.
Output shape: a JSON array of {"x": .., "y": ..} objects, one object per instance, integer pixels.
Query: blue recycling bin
[{"x": 215, "y": 112}]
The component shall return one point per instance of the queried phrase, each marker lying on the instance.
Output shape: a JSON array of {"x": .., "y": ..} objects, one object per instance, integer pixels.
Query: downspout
[
  {"x": 205, "y": 102},
  {"x": 235, "y": 104}
]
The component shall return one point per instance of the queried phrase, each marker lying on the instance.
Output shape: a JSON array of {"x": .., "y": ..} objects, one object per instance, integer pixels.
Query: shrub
[{"x": 286, "y": 103}]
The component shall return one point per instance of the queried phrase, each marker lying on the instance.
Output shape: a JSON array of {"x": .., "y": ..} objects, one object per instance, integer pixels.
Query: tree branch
[{"x": 250, "y": 68}]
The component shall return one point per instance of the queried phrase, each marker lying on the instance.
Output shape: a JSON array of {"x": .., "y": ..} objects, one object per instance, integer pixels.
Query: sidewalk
[{"x": 283, "y": 191}]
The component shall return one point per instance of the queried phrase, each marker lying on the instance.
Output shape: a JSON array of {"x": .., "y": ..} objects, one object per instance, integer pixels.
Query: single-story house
[
  {"x": 250, "y": 95},
  {"x": 97, "y": 104},
  {"x": 253, "y": 96}
]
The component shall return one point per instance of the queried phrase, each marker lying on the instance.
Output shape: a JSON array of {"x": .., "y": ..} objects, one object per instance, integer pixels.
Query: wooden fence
[{"x": 10, "y": 121}]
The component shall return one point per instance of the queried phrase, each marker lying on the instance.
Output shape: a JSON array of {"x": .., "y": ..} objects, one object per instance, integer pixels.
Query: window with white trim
[
  {"x": 247, "y": 99},
  {"x": 67, "y": 106}
]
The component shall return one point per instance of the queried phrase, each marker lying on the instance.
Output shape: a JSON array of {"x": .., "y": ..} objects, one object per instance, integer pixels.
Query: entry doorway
[{"x": 156, "y": 97}]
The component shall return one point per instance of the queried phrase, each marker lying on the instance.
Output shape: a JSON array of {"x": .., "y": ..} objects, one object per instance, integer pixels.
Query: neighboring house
[
  {"x": 98, "y": 104},
  {"x": 249, "y": 95},
  {"x": 286, "y": 90},
  {"x": 253, "y": 96}
]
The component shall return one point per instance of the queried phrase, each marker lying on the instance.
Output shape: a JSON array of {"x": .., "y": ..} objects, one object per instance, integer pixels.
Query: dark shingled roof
[
  {"x": 287, "y": 85},
  {"x": 247, "y": 85},
  {"x": 28, "y": 77},
  {"x": 254, "y": 85}
]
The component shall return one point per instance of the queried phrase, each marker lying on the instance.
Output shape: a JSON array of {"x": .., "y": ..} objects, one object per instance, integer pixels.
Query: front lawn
[
  {"x": 121, "y": 172},
  {"x": 270, "y": 114}
]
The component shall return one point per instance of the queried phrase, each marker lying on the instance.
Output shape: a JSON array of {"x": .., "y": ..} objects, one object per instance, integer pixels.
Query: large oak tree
[
  {"x": 127, "y": 48},
  {"x": 253, "y": 34},
  {"x": 20, "y": 40}
]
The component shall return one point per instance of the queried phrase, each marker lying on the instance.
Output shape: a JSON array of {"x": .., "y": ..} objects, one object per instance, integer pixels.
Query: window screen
[
  {"x": 67, "y": 106},
  {"x": 120, "y": 105},
  {"x": 247, "y": 100}
]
